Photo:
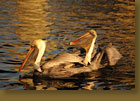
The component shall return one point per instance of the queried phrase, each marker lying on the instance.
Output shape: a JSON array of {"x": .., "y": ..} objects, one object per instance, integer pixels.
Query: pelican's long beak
[
  {"x": 87, "y": 42},
  {"x": 26, "y": 58},
  {"x": 80, "y": 38}
]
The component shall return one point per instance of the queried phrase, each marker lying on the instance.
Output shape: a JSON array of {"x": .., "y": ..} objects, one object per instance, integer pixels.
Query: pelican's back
[{"x": 64, "y": 58}]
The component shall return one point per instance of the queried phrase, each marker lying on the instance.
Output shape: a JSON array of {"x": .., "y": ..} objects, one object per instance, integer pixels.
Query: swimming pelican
[{"x": 67, "y": 65}]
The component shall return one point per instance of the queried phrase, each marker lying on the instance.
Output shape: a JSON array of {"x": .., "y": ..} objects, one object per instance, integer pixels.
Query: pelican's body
[{"x": 67, "y": 65}]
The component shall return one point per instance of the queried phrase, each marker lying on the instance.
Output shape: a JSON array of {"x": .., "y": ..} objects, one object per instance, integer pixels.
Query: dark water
[{"x": 61, "y": 21}]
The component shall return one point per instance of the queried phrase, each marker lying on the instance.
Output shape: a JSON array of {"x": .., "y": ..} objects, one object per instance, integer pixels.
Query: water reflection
[
  {"x": 44, "y": 83},
  {"x": 61, "y": 21},
  {"x": 32, "y": 19}
]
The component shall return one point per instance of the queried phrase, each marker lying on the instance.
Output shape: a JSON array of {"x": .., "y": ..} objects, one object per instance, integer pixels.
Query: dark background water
[{"x": 61, "y": 21}]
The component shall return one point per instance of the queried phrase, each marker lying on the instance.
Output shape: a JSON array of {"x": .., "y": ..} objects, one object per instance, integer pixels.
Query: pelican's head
[
  {"x": 39, "y": 43},
  {"x": 85, "y": 39},
  {"x": 87, "y": 42},
  {"x": 35, "y": 54}
]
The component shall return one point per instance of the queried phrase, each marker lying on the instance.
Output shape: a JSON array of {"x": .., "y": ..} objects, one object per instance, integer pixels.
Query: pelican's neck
[
  {"x": 89, "y": 53},
  {"x": 39, "y": 57}
]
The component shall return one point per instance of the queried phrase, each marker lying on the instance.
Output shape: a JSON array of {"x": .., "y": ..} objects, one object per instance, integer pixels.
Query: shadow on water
[{"x": 61, "y": 21}]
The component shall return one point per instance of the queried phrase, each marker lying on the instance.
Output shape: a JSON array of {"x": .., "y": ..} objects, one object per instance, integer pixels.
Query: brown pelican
[
  {"x": 67, "y": 65},
  {"x": 87, "y": 41}
]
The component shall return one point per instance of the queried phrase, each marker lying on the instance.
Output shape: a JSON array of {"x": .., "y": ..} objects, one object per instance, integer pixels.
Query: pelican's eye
[
  {"x": 33, "y": 46},
  {"x": 92, "y": 33}
]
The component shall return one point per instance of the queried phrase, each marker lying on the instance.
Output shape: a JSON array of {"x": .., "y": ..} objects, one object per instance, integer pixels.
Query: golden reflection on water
[
  {"x": 33, "y": 17},
  {"x": 32, "y": 24}
]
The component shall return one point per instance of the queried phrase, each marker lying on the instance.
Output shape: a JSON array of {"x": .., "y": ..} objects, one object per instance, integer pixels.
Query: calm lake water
[{"x": 61, "y": 21}]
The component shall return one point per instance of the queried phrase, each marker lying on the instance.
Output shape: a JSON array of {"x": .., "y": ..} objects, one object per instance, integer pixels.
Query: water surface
[{"x": 61, "y": 21}]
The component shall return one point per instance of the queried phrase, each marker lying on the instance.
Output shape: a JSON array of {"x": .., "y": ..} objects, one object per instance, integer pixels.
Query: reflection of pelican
[{"x": 66, "y": 65}]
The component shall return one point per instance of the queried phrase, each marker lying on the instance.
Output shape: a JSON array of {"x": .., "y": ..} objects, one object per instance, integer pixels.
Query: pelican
[
  {"x": 87, "y": 42},
  {"x": 68, "y": 64}
]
